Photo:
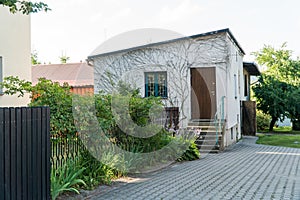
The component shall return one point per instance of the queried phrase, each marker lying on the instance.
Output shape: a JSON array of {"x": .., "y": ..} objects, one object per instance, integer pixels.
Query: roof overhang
[
  {"x": 195, "y": 37},
  {"x": 251, "y": 68}
]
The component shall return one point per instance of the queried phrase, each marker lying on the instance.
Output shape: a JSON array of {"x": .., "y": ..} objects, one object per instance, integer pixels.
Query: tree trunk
[{"x": 273, "y": 121}]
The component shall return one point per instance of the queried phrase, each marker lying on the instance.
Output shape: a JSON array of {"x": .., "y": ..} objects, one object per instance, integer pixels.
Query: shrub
[
  {"x": 262, "y": 121},
  {"x": 192, "y": 153}
]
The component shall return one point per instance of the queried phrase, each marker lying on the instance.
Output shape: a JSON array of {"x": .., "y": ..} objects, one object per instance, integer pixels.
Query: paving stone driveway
[{"x": 245, "y": 171}]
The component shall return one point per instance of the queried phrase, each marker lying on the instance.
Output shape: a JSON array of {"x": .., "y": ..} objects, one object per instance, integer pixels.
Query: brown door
[{"x": 203, "y": 92}]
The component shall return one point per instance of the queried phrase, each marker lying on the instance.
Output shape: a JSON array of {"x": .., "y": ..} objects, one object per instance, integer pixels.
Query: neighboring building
[
  {"x": 14, "y": 52},
  {"x": 80, "y": 76},
  {"x": 204, "y": 75}
]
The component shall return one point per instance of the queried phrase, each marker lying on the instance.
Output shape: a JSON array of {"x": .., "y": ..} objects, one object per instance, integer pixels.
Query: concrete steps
[{"x": 207, "y": 141}]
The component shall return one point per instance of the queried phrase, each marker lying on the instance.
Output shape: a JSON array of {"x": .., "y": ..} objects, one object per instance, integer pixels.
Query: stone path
[{"x": 245, "y": 171}]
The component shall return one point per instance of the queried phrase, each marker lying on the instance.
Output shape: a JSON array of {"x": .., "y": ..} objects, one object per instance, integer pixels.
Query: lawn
[
  {"x": 282, "y": 129},
  {"x": 280, "y": 140}
]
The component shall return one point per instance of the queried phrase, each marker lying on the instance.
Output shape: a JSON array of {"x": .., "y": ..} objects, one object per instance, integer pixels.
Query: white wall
[
  {"x": 234, "y": 92},
  {"x": 15, "y": 51},
  {"x": 210, "y": 51}
]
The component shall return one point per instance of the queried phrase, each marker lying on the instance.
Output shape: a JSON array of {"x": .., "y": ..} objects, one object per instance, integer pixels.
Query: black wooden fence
[{"x": 24, "y": 153}]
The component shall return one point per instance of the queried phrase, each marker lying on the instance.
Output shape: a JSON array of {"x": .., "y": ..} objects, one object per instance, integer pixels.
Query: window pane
[
  {"x": 150, "y": 85},
  {"x": 162, "y": 87}
]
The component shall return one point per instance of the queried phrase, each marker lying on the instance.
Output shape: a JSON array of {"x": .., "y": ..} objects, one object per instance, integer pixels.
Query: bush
[
  {"x": 262, "y": 121},
  {"x": 192, "y": 153}
]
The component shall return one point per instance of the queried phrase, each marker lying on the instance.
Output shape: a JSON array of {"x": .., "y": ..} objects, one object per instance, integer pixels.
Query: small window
[
  {"x": 235, "y": 86},
  {"x": 246, "y": 85},
  {"x": 1, "y": 74},
  {"x": 156, "y": 84}
]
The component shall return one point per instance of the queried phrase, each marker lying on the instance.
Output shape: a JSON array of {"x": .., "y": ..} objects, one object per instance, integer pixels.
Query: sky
[{"x": 76, "y": 27}]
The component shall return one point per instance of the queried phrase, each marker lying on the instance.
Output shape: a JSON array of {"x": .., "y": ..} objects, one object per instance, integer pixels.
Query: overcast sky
[{"x": 77, "y": 27}]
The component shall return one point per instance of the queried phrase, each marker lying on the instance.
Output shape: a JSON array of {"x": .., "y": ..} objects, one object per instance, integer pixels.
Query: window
[
  {"x": 1, "y": 75},
  {"x": 245, "y": 85},
  {"x": 235, "y": 86},
  {"x": 156, "y": 84}
]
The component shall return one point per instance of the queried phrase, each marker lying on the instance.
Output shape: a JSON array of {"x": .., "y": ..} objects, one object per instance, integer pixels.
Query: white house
[
  {"x": 14, "y": 52},
  {"x": 204, "y": 75}
]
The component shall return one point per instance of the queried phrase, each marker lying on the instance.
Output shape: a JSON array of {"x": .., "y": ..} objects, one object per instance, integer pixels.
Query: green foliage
[
  {"x": 13, "y": 85},
  {"x": 271, "y": 95},
  {"x": 262, "y": 120},
  {"x": 66, "y": 179},
  {"x": 34, "y": 58},
  {"x": 64, "y": 59},
  {"x": 279, "y": 63},
  {"x": 277, "y": 91},
  {"x": 192, "y": 153},
  {"x": 46, "y": 93},
  {"x": 95, "y": 172},
  {"x": 26, "y": 7},
  {"x": 59, "y": 99}
]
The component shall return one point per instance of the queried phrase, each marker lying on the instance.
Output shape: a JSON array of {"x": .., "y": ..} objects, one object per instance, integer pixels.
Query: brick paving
[{"x": 244, "y": 171}]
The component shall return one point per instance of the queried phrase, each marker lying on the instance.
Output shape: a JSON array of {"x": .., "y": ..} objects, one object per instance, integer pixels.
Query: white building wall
[
  {"x": 15, "y": 51},
  {"x": 210, "y": 51},
  {"x": 234, "y": 89}
]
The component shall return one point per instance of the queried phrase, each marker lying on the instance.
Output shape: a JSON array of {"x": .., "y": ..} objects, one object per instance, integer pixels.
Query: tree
[
  {"x": 277, "y": 91},
  {"x": 26, "y": 7},
  {"x": 34, "y": 58},
  {"x": 271, "y": 97},
  {"x": 64, "y": 59}
]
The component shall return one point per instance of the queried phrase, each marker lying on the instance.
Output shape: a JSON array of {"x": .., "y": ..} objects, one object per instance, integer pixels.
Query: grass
[
  {"x": 282, "y": 130},
  {"x": 280, "y": 140}
]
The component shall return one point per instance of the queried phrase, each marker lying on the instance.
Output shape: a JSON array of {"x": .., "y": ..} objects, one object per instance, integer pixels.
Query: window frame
[
  {"x": 1, "y": 74},
  {"x": 156, "y": 84},
  {"x": 235, "y": 86}
]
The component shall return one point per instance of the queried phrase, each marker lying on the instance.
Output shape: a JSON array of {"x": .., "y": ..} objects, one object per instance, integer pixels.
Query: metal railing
[{"x": 219, "y": 118}]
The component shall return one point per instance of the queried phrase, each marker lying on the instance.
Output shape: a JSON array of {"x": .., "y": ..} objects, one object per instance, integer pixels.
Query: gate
[
  {"x": 25, "y": 153},
  {"x": 249, "y": 118}
]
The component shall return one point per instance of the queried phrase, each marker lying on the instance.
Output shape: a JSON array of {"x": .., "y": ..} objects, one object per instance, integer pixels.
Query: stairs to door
[{"x": 210, "y": 136}]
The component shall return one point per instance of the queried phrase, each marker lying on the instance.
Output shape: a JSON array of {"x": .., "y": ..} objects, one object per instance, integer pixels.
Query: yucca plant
[{"x": 65, "y": 179}]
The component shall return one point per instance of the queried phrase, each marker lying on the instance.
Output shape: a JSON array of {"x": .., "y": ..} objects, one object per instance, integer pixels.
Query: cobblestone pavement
[{"x": 244, "y": 171}]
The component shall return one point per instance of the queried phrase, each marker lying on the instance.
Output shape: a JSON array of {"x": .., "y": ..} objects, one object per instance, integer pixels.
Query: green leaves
[
  {"x": 66, "y": 179},
  {"x": 277, "y": 91},
  {"x": 25, "y": 7}
]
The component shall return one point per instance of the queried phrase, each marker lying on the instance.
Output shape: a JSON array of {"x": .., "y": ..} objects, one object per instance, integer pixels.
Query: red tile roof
[{"x": 76, "y": 74}]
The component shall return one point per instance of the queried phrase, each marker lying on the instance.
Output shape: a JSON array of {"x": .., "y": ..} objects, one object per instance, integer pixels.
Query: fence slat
[
  {"x": 2, "y": 185},
  {"x": 39, "y": 155},
  {"x": 48, "y": 153},
  {"x": 7, "y": 156},
  {"x": 29, "y": 154},
  {"x": 24, "y": 153},
  {"x": 13, "y": 153},
  {"x": 34, "y": 153},
  {"x": 18, "y": 153}
]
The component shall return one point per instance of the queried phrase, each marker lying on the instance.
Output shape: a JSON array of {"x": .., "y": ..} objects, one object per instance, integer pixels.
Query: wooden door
[{"x": 203, "y": 94}]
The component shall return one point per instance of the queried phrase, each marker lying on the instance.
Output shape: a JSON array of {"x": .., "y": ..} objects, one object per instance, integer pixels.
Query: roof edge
[{"x": 226, "y": 30}]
